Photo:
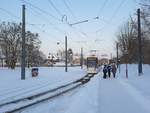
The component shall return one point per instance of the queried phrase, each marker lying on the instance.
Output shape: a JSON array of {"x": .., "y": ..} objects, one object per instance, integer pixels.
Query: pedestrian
[
  {"x": 114, "y": 69},
  {"x": 109, "y": 70},
  {"x": 105, "y": 71}
]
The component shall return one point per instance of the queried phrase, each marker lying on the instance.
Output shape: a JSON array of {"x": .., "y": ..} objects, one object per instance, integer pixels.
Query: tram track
[
  {"x": 22, "y": 90},
  {"x": 22, "y": 103}
]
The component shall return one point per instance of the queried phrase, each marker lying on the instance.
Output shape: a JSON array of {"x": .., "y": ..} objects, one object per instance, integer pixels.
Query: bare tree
[
  {"x": 145, "y": 15},
  {"x": 32, "y": 49},
  {"x": 10, "y": 34},
  {"x": 126, "y": 38},
  {"x": 11, "y": 41}
]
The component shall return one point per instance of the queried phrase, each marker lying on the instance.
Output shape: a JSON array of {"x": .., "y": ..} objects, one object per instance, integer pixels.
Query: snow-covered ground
[
  {"x": 12, "y": 87},
  {"x": 112, "y": 95}
]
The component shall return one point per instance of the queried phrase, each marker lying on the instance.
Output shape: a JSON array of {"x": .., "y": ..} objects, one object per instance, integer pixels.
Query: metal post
[
  {"x": 117, "y": 53},
  {"x": 66, "y": 66},
  {"x": 23, "y": 45},
  {"x": 126, "y": 61},
  {"x": 140, "y": 45},
  {"x": 2, "y": 62},
  {"x": 119, "y": 67},
  {"x": 126, "y": 70},
  {"x": 81, "y": 62}
]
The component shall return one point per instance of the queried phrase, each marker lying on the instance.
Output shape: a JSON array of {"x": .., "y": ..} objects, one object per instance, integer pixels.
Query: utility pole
[
  {"x": 117, "y": 54},
  {"x": 23, "y": 54},
  {"x": 81, "y": 62},
  {"x": 139, "y": 44},
  {"x": 66, "y": 66},
  {"x": 126, "y": 68}
]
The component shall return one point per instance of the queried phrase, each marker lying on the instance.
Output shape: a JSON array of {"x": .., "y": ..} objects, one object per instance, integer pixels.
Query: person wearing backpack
[
  {"x": 105, "y": 71},
  {"x": 114, "y": 69},
  {"x": 109, "y": 70}
]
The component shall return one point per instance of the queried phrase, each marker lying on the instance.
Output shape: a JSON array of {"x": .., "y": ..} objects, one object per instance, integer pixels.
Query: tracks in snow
[{"x": 22, "y": 103}]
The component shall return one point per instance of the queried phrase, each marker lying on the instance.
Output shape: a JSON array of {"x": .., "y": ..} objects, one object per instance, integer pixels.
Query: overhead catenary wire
[
  {"x": 75, "y": 18},
  {"x": 48, "y": 34},
  {"x": 117, "y": 9},
  {"x": 32, "y": 10},
  {"x": 113, "y": 15},
  {"x": 68, "y": 8},
  {"x": 13, "y": 15},
  {"x": 10, "y": 13},
  {"x": 103, "y": 6},
  {"x": 99, "y": 13},
  {"x": 35, "y": 25},
  {"x": 57, "y": 10},
  {"x": 64, "y": 16},
  {"x": 81, "y": 32},
  {"x": 35, "y": 7},
  {"x": 41, "y": 10},
  {"x": 45, "y": 32}
]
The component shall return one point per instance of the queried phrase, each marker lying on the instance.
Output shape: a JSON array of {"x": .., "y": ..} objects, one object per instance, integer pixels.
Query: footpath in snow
[{"x": 116, "y": 96}]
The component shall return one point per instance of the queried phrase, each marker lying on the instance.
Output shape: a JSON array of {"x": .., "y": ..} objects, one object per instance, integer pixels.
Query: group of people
[{"x": 108, "y": 69}]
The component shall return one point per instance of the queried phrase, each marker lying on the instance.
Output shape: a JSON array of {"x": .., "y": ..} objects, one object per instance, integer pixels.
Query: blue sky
[{"x": 99, "y": 34}]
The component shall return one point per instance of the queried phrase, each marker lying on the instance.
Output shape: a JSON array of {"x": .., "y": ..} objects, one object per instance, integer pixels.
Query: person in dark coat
[
  {"x": 114, "y": 69},
  {"x": 105, "y": 71},
  {"x": 109, "y": 70}
]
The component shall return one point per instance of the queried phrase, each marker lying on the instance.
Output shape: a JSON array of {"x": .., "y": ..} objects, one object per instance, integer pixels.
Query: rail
[{"x": 22, "y": 103}]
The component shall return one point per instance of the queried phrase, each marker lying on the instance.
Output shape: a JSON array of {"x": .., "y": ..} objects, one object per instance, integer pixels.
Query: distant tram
[{"x": 92, "y": 64}]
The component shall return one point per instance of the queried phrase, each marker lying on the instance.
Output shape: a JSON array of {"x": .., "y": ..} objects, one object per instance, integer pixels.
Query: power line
[
  {"x": 41, "y": 10},
  {"x": 35, "y": 25},
  {"x": 81, "y": 32},
  {"x": 117, "y": 9},
  {"x": 68, "y": 8},
  {"x": 114, "y": 14},
  {"x": 44, "y": 31},
  {"x": 11, "y": 14},
  {"x": 52, "y": 4},
  {"x": 52, "y": 25},
  {"x": 59, "y": 11},
  {"x": 48, "y": 34},
  {"x": 71, "y": 12},
  {"x": 101, "y": 9},
  {"x": 35, "y": 11},
  {"x": 70, "y": 25}
]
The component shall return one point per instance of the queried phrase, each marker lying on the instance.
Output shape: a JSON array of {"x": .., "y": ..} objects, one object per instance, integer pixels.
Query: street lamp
[
  {"x": 66, "y": 55},
  {"x": 60, "y": 51},
  {"x": 83, "y": 21},
  {"x": 81, "y": 58}
]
